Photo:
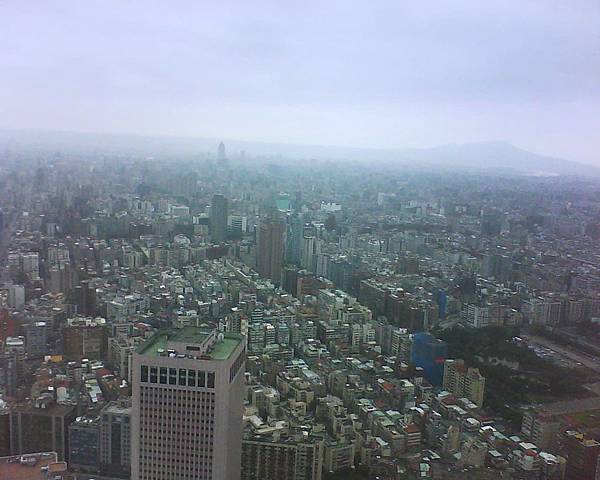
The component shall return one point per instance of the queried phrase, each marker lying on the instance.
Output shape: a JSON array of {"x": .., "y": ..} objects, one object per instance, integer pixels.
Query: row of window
[{"x": 177, "y": 376}]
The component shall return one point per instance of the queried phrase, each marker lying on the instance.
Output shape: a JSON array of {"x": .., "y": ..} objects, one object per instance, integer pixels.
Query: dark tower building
[
  {"x": 270, "y": 248},
  {"x": 218, "y": 218},
  {"x": 40, "y": 427},
  {"x": 491, "y": 221},
  {"x": 295, "y": 232}
]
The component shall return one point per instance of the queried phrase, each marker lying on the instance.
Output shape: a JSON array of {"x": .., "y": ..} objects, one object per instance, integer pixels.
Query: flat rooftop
[
  {"x": 221, "y": 350},
  {"x": 35, "y": 466}
]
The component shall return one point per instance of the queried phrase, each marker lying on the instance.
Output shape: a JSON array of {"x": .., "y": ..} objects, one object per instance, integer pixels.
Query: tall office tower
[
  {"x": 16, "y": 296},
  {"x": 84, "y": 444},
  {"x": 311, "y": 247},
  {"x": 270, "y": 248},
  {"x": 12, "y": 364},
  {"x": 218, "y": 218},
  {"x": 491, "y": 221},
  {"x": 221, "y": 155},
  {"x": 31, "y": 265},
  {"x": 36, "y": 336},
  {"x": 115, "y": 439},
  {"x": 295, "y": 232},
  {"x": 187, "y": 406},
  {"x": 297, "y": 203}
]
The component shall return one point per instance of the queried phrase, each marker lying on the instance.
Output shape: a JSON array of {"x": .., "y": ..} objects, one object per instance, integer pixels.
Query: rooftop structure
[{"x": 191, "y": 342}]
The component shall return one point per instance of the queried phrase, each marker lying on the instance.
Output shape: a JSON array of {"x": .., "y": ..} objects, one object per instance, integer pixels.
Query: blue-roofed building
[{"x": 429, "y": 353}]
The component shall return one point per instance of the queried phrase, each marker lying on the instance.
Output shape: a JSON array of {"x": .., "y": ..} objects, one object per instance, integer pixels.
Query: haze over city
[
  {"x": 352, "y": 74},
  {"x": 300, "y": 240}
]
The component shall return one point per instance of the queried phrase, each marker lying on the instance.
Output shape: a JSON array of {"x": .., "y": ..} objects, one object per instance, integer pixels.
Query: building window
[
  {"x": 201, "y": 378},
  {"x": 153, "y": 375},
  {"x": 191, "y": 378},
  {"x": 211, "y": 380},
  {"x": 144, "y": 373},
  {"x": 163, "y": 375}
]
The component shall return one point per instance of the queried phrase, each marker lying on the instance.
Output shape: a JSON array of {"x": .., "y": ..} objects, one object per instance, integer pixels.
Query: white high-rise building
[
  {"x": 238, "y": 223},
  {"x": 464, "y": 381},
  {"x": 187, "y": 405},
  {"x": 311, "y": 248}
]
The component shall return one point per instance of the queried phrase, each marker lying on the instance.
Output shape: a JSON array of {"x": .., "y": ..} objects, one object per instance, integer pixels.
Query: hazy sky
[{"x": 376, "y": 73}]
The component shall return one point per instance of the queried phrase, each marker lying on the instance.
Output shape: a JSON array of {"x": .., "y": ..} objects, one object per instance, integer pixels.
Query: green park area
[{"x": 534, "y": 380}]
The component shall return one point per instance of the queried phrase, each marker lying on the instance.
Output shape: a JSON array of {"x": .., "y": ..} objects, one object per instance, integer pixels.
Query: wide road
[{"x": 593, "y": 363}]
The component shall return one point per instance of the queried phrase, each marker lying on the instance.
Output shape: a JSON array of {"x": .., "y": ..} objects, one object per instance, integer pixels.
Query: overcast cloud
[{"x": 369, "y": 74}]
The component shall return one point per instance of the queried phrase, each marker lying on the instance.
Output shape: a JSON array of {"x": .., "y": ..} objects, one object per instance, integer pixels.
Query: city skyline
[
  {"x": 319, "y": 240},
  {"x": 395, "y": 76}
]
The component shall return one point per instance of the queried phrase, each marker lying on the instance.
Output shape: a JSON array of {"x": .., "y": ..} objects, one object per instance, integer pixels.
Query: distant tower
[
  {"x": 221, "y": 155},
  {"x": 270, "y": 248},
  {"x": 218, "y": 218}
]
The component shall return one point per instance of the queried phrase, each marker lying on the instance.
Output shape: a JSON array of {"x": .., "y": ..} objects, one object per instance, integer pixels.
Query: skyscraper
[
  {"x": 84, "y": 444},
  {"x": 115, "y": 439},
  {"x": 295, "y": 232},
  {"x": 16, "y": 296},
  {"x": 310, "y": 250},
  {"x": 187, "y": 406},
  {"x": 221, "y": 155},
  {"x": 218, "y": 218},
  {"x": 270, "y": 248}
]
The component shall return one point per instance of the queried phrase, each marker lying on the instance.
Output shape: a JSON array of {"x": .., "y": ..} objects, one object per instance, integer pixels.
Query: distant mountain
[
  {"x": 480, "y": 156},
  {"x": 501, "y": 156}
]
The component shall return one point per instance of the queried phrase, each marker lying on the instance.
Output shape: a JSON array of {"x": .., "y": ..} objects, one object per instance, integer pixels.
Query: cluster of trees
[{"x": 536, "y": 379}]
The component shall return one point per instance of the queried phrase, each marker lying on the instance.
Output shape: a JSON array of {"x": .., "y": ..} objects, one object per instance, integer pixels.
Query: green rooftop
[
  {"x": 192, "y": 335},
  {"x": 189, "y": 334},
  {"x": 222, "y": 350}
]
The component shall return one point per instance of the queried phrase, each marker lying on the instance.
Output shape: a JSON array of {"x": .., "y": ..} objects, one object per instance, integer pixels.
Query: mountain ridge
[{"x": 495, "y": 155}]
